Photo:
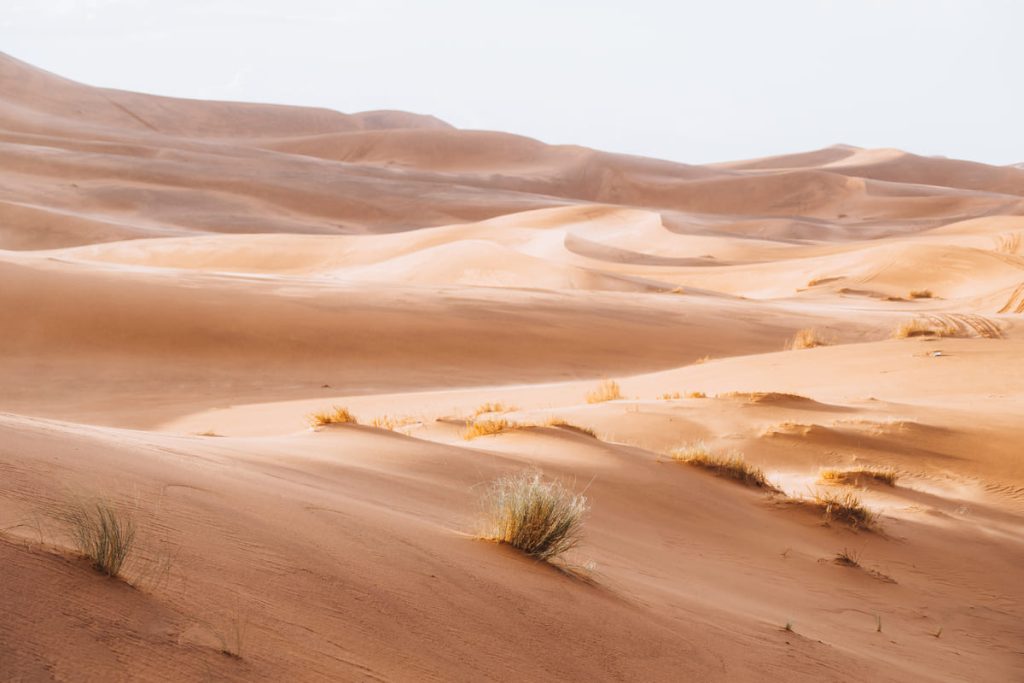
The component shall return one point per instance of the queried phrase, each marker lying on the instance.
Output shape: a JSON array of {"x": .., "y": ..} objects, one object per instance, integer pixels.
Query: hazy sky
[{"x": 690, "y": 81}]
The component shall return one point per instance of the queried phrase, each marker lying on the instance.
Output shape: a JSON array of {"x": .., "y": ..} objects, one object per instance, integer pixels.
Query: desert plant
[
  {"x": 542, "y": 519},
  {"x": 847, "y": 558},
  {"x": 488, "y": 428},
  {"x": 807, "y": 339},
  {"x": 608, "y": 390},
  {"x": 492, "y": 408},
  {"x": 562, "y": 424},
  {"x": 846, "y": 508},
  {"x": 336, "y": 415},
  {"x": 857, "y": 475},
  {"x": 921, "y": 294},
  {"x": 102, "y": 533},
  {"x": 696, "y": 394},
  {"x": 391, "y": 423},
  {"x": 732, "y": 466}
]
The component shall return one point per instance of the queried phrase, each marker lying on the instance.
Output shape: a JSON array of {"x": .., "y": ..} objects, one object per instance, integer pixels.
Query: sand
[{"x": 182, "y": 282}]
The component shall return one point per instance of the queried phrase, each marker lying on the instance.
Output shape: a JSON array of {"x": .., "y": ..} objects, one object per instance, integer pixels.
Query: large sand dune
[{"x": 182, "y": 282}]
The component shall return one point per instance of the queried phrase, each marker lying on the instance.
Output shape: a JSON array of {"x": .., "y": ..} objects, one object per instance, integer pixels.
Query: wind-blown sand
[{"x": 172, "y": 268}]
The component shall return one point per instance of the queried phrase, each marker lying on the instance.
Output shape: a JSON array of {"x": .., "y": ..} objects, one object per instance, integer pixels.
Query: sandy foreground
[{"x": 182, "y": 282}]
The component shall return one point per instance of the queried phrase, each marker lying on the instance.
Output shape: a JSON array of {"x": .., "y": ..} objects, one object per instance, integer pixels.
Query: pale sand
[{"x": 172, "y": 267}]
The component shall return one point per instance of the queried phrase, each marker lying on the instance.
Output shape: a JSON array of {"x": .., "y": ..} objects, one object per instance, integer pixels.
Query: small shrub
[
  {"x": 608, "y": 390},
  {"x": 807, "y": 339},
  {"x": 855, "y": 476},
  {"x": 101, "y": 533},
  {"x": 696, "y": 394},
  {"x": 669, "y": 397},
  {"x": 846, "y": 508},
  {"x": 336, "y": 415},
  {"x": 732, "y": 466},
  {"x": 542, "y": 519},
  {"x": 921, "y": 294}
]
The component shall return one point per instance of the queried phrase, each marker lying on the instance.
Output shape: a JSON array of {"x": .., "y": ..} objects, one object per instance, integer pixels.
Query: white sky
[{"x": 697, "y": 81}]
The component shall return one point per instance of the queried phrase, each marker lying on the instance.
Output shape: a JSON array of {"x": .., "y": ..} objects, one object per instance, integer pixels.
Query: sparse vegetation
[
  {"x": 788, "y": 626},
  {"x": 846, "y": 508},
  {"x": 696, "y": 394},
  {"x": 732, "y": 466},
  {"x": 808, "y": 339},
  {"x": 921, "y": 294},
  {"x": 391, "y": 423},
  {"x": 542, "y": 519},
  {"x": 949, "y": 325},
  {"x": 499, "y": 407},
  {"x": 336, "y": 415},
  {"x": 669, "y": 397},
  {"x": 848, "y": 558},
  {"x": 856, "y": 476},
  {"x": 488, "y": 428},
  {"x": 608, "y": 390},
  {"x": 102, "y": 533},
  {"x": 562, "y": 424}
]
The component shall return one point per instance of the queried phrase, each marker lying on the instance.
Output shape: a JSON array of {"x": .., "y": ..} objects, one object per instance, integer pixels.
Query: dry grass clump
[
  {"x": 696, "y": 394},
  {"x": 848, "y": 558},
  {"x": 391, "y": 423},
  {"x": 921, "y": 294},
  {"x": 807, "y": 339},
  {"x": 336, "y": 415},
  {"x": 669, "y": 397},
  {"x": 949, "y": 325},
  {"x": 562, "y": 424},
  {"x": 542, "y": 519},
  {"x": 490, "y": 428},
  {"x": 608, "y": 390},
  {"x": 102, "y": 533},
  {"x": 498, "y": 407},
  {"x": 846, "y": 508},
  {"x": 854, "y": 476},
  {"x": 732, "y": 466}
]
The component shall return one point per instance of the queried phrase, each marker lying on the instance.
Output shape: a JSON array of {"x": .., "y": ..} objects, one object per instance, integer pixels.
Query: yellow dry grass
[
  {"x": 846, "y": 508},
  {"x": 392, "y": 423},
  {"x": 542, "y": 519},
  {"x": 608, "y": 390},
  {"x": 808, "y": 338},
  {"x": 498, "y": 407},
  {"x": 857, "y": 475},
  {"x": 949, "y": 325},
  {"x": 336, "y": 415},
  {"x": 732, "y": 466},
  {"x": 921, "y": 294}
]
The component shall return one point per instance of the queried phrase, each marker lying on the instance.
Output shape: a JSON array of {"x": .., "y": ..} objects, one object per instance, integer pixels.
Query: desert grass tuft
[
  {"x": 856, "y": 476},
  {"x": 848, "y": 558},
  {"x": 846, "y": 508},
  {"x": 562, "y": 424},
  {"x": 542, "y": 519},
  {"x": 477, "y": 428},
  {"x": 336, "y": 415},
  {"x": 608, "y": 390},
  {"x": 498, "y": 407},
  {"x": 807, "y": 339},
  {"x": 921, "y": 294},
  {"x": 391, "y": 423},
  {"x": 732, "y": 466},
  {"x": 696, "y": 394},
  {"x": 102, "y": 533}
]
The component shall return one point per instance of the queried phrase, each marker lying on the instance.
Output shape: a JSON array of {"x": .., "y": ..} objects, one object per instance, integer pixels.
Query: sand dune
[{"x": 183, "y": 282}]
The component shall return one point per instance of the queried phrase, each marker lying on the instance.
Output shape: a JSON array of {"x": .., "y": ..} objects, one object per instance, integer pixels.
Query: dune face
[{"x": 183, "y": 282}]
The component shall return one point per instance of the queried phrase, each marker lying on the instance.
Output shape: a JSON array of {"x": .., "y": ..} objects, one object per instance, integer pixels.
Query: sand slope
[{"x": 182, "y": 282}]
